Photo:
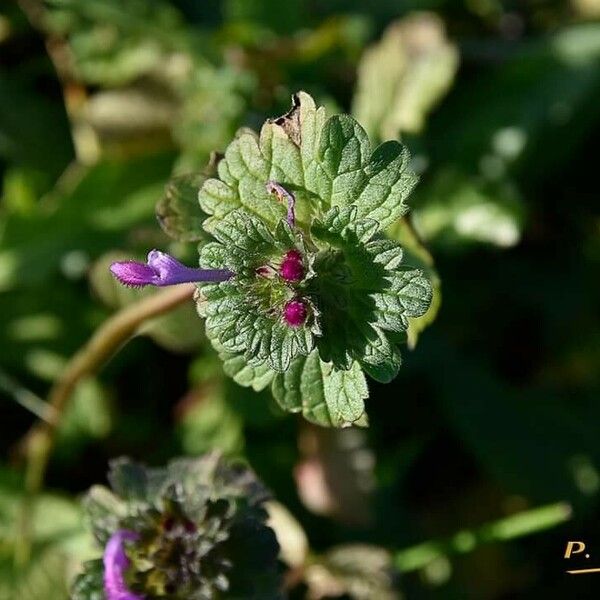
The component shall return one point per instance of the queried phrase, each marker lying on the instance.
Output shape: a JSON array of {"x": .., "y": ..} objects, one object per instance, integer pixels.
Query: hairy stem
[{"x": 104, "y": 343}]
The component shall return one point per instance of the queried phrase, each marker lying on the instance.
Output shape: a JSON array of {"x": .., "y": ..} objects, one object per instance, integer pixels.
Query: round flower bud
[
  {"x": 292, "y": 268},
  {"x": 294, "y": 313}
]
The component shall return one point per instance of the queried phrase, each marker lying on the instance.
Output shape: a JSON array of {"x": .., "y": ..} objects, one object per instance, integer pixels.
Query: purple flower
[
  {"x": 115, "y": 565},
  {"x": 284, "y": 196},
  {"x": 162, "y": 269}
]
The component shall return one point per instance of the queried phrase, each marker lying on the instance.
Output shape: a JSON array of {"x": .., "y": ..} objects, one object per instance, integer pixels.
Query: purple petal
[
  {"x": 134, "y": 274},
  {"x": 284, "y": 196},
  {"x": 165, "y": 266},
  {"x": 115, "y": 565},
  {"x": 161, "y": 270}
]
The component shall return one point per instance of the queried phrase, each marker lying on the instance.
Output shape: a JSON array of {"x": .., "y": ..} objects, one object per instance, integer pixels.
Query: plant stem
[
  {"x": 25, "y": 398},
  {"x": 515, "y": 526},
  {"x": 104, "y": 343}
]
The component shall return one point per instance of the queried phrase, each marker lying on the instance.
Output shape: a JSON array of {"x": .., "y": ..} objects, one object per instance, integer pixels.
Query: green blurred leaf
[
  {"x": 89, "y": 214},
  {"x": 89, "y": 585},
  {"x": 208, "y": 422},
  {"x": 58, "y": 542},
  {"x": 403, "y": 76},
  {"x": 44, "y": 577},
  {"x": 115, "y": 41},
  {"x": 104, "y": 509},
  {"x": 87, "y": 416},
  {"x": 214, "y": 102},
  {"x": 266, "y": 12},
  {"x": 359, "y": 571},
  {"x": 178, "y": 211},
  {"x": 457, "y": 209},
  {"x": 527, "y": 114}
]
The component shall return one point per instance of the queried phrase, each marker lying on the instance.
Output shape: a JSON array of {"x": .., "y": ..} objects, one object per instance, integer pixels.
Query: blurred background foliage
[{"x": 496, "y": 411}]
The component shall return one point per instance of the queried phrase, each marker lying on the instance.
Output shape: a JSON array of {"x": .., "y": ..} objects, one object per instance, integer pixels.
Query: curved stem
[
  {"x": 512, "y": 527},
  {"x": 105, "y": 342}
]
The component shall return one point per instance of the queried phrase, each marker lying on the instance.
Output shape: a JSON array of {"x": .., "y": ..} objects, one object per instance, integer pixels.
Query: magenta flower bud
[
  {"x": 161, "y": 270},
  {"x": 284, "y": 196},
  {"x": 294, "y": 313},
  {"x": 115, "y": 565},
  {"x": 292, "y": 267}
]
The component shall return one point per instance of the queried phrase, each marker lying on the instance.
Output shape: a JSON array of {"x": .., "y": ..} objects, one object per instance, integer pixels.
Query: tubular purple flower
[
  {"x": 284, "y": 196},
  {"x": 161, "y": 270},
  {"x": 115, "y": 565}
]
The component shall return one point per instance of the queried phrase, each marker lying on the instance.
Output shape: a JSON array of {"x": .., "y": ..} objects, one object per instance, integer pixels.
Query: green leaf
[
  {"x": 243, "y": 174},
  {"x": 244, "y": 314},
  {"x": 363, "y": 292},
  {"x": 44, "y": 576},
  {"x": 142, "y": 34},
  {"x": 324, "y": 163},
  {"x": 209, "y": 422},
  {"x": 178, "y": 211},
  {"x": 104, "y": 509},
  {"x": 377, "y": 182},
  {"x": 357, "y": 571},
  {"x": 128, "y": 479},
  {"x": 358, "y": 287},
  {"x": 354, "y": 295},
  {"x": 89, "y": 585},
  {"x": 405, "y": 74},
  {"x": 257, "y": 377},
  {"x": 417, "y": 255},
  {"x": 325, "y": 395}
]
